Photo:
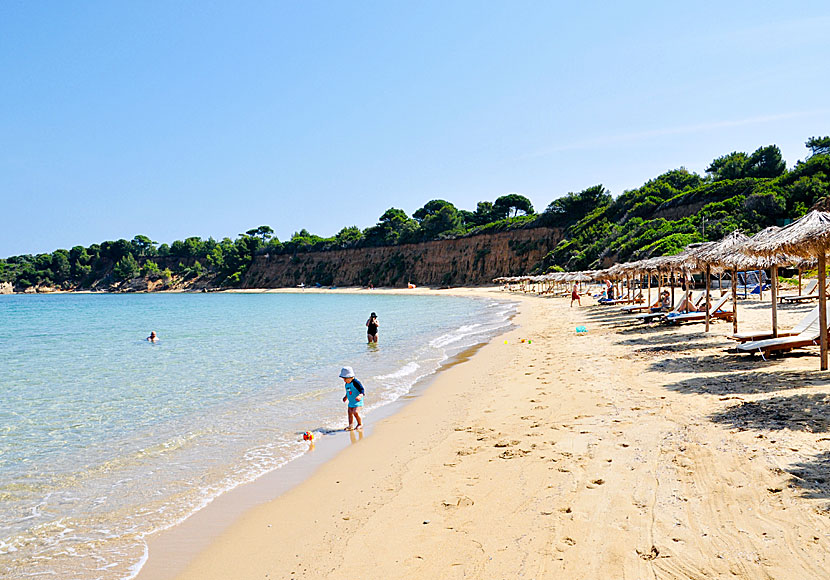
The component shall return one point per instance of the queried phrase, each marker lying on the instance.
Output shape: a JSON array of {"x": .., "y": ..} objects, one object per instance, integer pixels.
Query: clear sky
[{"x": 174, "y": 119}]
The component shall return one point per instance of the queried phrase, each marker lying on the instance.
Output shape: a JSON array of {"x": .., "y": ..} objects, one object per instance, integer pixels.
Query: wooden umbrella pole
[
  {"x": 774, "y": 289},
  {"x": 822, "y": 307},
  {"x": 708, "y": 308},
  {"x": 688, "y": 290},
  {"x": 799, "y": 281},
  {"x": 672, "y": 284},
  {"x": 734, "y": 301},
  {"x": 649, "y": 287}
]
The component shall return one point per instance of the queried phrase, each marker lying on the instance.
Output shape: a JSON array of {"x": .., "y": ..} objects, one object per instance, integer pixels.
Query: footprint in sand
[
  {"x": 595, "y": 483},
  {"x": 513, "y": 453},
  {"x": 566, "y": 543},
  {"x": 463, "y": 452},
  {"x": 462, "y": 501}
]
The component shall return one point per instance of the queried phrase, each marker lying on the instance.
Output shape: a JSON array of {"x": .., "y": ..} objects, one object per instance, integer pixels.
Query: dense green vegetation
[
  {"x": 225, "y": 262},
  {"x": 739, "y": 190}
]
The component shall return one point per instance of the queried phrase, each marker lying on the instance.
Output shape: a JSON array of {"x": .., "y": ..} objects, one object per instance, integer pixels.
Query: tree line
[
  {"x": 742, "y": 190},
  {"x": 227, "y": 260}
]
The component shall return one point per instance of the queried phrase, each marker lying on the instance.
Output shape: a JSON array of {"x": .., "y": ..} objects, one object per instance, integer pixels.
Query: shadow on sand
[
  {"x": 750, "y": 383},
  {"x": 796, "y": 413},
  {"x": 812, "y": 476}
]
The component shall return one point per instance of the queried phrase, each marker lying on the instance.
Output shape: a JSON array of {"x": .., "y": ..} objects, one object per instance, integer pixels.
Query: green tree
[
  {"x": 430, "y": 208},
  {"x": 731, "y": 166},
  {"x": 144, "y": 246},
  {"x": 151, "y": 270},
  {"x": 264, "y": 233},
  {"x": 393, "y": 227},
  {"x": 348, "y": 236},
  {"x": 512, "y": 202},
  {"x": 60, "y": 266},
  {"x": 765, "y": 162},
  {"x": 442, "y": 223},
  {"x": 484, "y": 213},
  {"x": 573, "y": 207},
  {"x": 819, "y": 145},
  {"x": 126, "y": 268}
]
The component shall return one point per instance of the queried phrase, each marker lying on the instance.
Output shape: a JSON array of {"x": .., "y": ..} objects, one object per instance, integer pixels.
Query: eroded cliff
[{"x": 472, "y": 260}]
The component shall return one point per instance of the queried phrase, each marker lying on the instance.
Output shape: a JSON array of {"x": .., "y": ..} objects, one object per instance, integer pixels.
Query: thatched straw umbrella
[
  {"x": 807, "y": 237},
  {"x": 686, "y": 262},
  {"x": 721, "y": 255}
]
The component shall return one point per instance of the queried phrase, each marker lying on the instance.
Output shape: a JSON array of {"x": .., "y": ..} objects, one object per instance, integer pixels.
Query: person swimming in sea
[{"x": 152, "y": 337}]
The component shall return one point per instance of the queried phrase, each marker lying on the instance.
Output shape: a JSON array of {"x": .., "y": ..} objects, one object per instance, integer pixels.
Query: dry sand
[{"x": 628, "y": 452}]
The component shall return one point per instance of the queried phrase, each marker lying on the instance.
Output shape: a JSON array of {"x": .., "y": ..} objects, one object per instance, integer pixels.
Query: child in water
[{"x": 354, "y": 396}]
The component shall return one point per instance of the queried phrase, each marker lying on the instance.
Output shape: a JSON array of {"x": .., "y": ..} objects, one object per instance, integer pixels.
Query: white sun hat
[{"x": 346, "y": 373}]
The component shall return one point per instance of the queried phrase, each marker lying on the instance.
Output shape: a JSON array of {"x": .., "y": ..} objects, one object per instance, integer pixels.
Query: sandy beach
[{"x": 629, "y": 451}]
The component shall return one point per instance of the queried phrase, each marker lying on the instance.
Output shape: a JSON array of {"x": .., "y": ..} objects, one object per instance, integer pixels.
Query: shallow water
[{"x": 105, "y": 437}]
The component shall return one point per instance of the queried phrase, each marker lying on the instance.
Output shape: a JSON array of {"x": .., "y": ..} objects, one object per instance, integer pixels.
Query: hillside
[
  {"x": 472, "y": 260},
  {"x": 441, "y": 244}
]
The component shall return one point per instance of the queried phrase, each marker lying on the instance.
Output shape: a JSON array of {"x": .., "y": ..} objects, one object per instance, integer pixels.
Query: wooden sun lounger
[
  {"x": 810, "y": 318},
  {"x": 639, "y": 307},
  {"x": 649, "y": 316},
  {"x": 809, "y": 337},
  {"x": 624, "y": 300},
  {"x": 810, "y": 293},
  {"x": 715, "y": 312}
]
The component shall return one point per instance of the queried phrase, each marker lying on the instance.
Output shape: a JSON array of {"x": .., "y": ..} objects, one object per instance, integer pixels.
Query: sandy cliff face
[{"x": 465, "y": 261}]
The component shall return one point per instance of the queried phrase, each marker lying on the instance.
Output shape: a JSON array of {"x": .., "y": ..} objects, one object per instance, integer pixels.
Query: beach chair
[
  {"x": 608, "y": 301},
  {"x": 803, "y": 324},
  {"x": 639, "y": 307},
  {"x": 808, "y": 337},
  {"x": 625, "y": 299},
  {"x": 716, "y": 311},
  {"x": 810, "y": 293},
  {"x": 679, "y": 308}
]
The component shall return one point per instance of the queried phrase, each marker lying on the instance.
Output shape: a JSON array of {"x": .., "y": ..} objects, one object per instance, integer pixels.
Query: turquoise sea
[{"x": 106, "y": 438}]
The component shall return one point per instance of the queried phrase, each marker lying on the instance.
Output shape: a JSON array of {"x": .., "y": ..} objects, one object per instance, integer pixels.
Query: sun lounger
[
  {"x": 809, "y": 337},
  {"x": 611, "y": 301},
  {"x": 810, "y": 293},
  {"x": 803, "y": 324},
  {"x": 681, "y": 307},
  {"x": 624, "y": 300},
  {"x": 716, "y": 311},
  {"x": 638, "y": 307}
]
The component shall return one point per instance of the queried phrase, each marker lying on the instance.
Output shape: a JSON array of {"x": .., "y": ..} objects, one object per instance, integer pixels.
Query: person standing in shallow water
[
  {"x": 354, "y": 396},
  {"x": 372, "y": 327}
]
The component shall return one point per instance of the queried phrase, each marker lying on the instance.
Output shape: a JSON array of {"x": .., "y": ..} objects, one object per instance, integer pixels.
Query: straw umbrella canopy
[
  {"x": 807, "y": 237},
  {"x": 719, "y": 255},
  {"x": 685, "y": 262}
]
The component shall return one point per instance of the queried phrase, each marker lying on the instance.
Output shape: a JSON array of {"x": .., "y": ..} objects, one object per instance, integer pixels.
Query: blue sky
[{"x": 172, "y": 119}]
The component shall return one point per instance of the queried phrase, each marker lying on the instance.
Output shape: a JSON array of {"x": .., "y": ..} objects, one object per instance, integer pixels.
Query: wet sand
[{"x": 630, "y": 451}]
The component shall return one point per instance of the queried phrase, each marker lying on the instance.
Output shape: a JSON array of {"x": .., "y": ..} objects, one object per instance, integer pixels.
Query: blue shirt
[{"x": 353, "y": 389}]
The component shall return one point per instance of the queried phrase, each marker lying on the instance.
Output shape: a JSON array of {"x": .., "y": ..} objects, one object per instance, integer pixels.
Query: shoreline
[
  {"x": 627, "y": 451},
  {"x": 171, "y": 549}
]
